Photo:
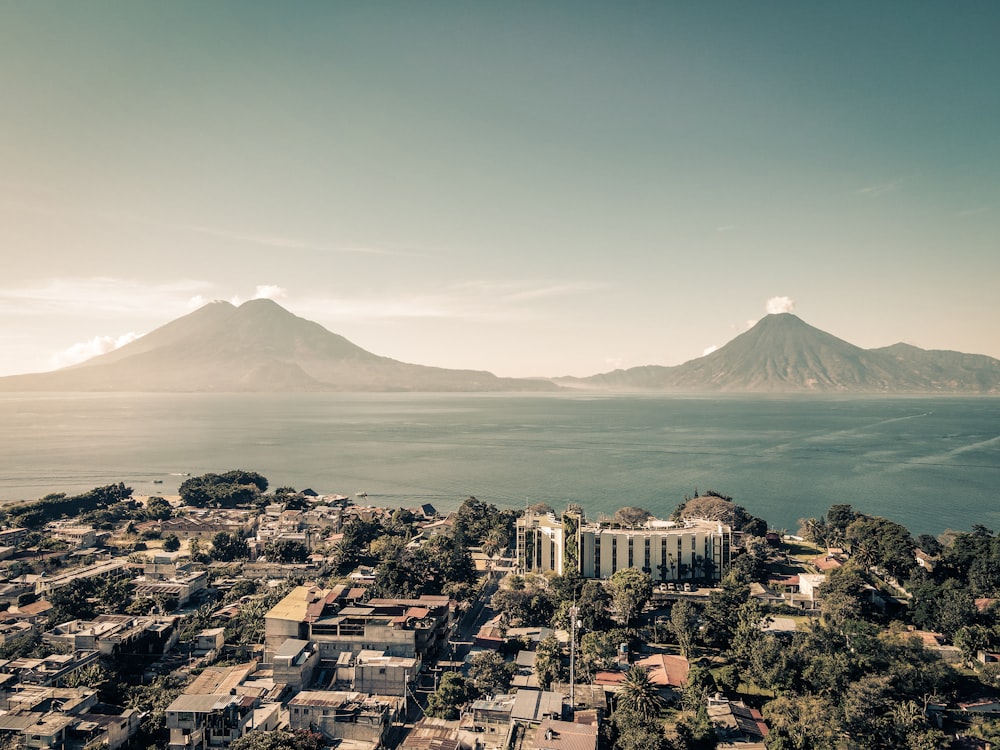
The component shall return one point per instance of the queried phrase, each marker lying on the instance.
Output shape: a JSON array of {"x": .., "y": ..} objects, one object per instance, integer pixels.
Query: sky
[{"x": 531, "y": 188}]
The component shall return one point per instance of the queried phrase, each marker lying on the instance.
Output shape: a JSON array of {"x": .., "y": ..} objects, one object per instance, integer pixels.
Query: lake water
[{"x": 929, "y": 463}]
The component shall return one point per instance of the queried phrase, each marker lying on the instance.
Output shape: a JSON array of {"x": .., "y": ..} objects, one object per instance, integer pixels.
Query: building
[
  {"x": 221, "y": 705},
  {"x": 663, "y": 549},
  {"x": 398, "y": 627},
  {"x": 345, "y": 715}
]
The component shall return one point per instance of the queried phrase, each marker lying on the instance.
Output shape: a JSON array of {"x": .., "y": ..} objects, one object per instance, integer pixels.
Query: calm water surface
[{"x": 929, "y": 463}]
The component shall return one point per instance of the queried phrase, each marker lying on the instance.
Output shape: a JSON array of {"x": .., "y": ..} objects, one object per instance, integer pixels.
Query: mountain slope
[
  {"x": 783, "y": 354},
  {"x": 258, "y": 346}
]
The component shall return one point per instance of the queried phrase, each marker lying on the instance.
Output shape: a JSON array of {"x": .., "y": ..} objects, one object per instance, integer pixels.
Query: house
[
  {"x": 345, "y": 715},
  {"x": 218, "y": 707},
  {"x": 553, "y": 734},
  {"x": 210, "y": 639},
  {"x": 935, "y": 643},
  {"x": 199, "y": 722},
  {"x": 50, "y": 671},
  {"x": 735, "y": 723},
  {"x": 294, "y": 663},
  {"x": 925, "y": 561},
  {"x": 666, "y": 671},
  {"x": 492, "y": 715},
  {"x": 438, "y": 734},
  {"x": 399, "y": 627},
  {"x": 534, "y": 706},
  {"x": 378, "y": 673},
  {"x": 77, "y": 537},
  {"x": 181, "y": 587}
]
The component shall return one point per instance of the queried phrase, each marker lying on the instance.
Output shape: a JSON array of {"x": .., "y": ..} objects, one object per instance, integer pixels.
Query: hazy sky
[{"x": 532, "y": 188}]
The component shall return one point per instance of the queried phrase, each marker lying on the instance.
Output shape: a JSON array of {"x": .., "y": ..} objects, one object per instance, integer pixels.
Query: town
[{"x": 237, "y": 616}]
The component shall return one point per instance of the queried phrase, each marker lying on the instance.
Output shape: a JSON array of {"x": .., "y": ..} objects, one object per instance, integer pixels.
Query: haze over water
[{"x": 929, "y": 463}]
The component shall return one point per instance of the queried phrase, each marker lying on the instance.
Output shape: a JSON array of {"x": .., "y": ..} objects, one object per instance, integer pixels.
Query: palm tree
[
  {"x": 639, "y": 694},
  {"x": 494, "y": 543}
]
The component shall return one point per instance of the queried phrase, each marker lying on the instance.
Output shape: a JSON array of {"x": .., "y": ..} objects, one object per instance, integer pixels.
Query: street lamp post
[{"x": 573, "y": 612}]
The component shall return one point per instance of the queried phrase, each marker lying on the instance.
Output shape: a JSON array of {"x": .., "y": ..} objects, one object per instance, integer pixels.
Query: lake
[{"x": 928, "y": 463}]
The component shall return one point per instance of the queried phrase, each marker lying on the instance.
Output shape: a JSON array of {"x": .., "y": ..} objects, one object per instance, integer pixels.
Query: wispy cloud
[
  {"x": 973, "y": 212},
  {"x": 18, "y": 204},
  {"x": 84, "y": 350},
  {"x": 279, "y": 242},
  {"x": 880, "y": 189},
  {"x": 470, "y": 300},
  {"x": 99, "y": 295}
]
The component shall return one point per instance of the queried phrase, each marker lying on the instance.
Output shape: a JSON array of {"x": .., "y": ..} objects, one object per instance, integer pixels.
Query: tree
[
  {"x": 722, "y": 611},
  {"x": 599, "y": 650},
  {"x": 446, "y": 701},
  {"x": 72, "y": 603},
  {"x": 684, "y": 625},
  {"x": 158, "y": 509},
  {"x": 806, "y": 722},
  {"x": 631, "y": 516},
  {"x": 838, "y": 518},
  {"x": 883, "y": 543},
  {"x": 279, "y": 739},
  {"x": 227, "y": 547},
  {"x": 226, "y": 490},
  {"x": 549, "y": 662},
  {"x": 171, "y": 543},
  {"x": 490, "y": 673},
  {"x": 286, "y": 551},
  {"x": 630, "y": 590},
  {"x": 634, "y": 732},
  {"x": 638, "y": 693}
]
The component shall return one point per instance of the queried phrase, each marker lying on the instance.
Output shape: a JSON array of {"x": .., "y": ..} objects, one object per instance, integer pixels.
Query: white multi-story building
[{"x": 666, "y": 550}]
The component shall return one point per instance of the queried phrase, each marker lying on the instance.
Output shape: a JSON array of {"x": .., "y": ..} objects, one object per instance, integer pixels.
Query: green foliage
[
  {"x": 973, "y": 559},
  {"x": 549, "y": 665},
  {"x": 223, "y": 490},
  {"x": 633, "y": 731},
  {"x": 808, "y": 722},
  {"x": 52, "y": 507},
  {"x": 630, "y": 590},
  {"x": 152, "y": 700},
  {"x": 451, "y": 695},
  {"x": 638, "y": 694},
  {"x": 72, "y": 602},
  {"x": 599, "y": 650},
  {"x": 158, "y": 509},
  {"x": 490, "y": 673},
  {"x": 475, "y": 520},
  {"x": 721, "y": 612},
  {"x": 882, "y": 543},
  {"x": 684, "y": 625},
  {"x": 227, "y": 547},
  {"x": 529, "y": 605},
  {"x": 279, "y": 739},
  {"x": 286, "y": 551},
  {"x": 171, "y": 543},
  {"x": 944, "y": 608}
]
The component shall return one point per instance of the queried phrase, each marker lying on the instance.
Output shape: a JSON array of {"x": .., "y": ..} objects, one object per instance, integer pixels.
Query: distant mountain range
[
  {"x": 261, "y": 347},
  {"x": 258, "y": 346},
  {"x": 783, "y": 354}
]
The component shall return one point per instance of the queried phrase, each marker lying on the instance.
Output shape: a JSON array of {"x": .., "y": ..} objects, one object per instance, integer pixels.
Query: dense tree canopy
[
  {"x": 227, "y": 547},
  {"x": 236, "y": 487},
  {"x": 630, "y": 590}
]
